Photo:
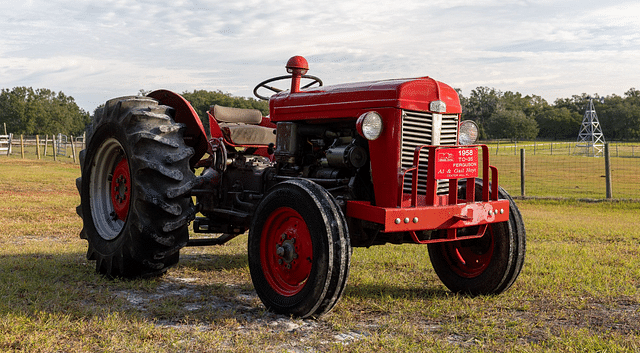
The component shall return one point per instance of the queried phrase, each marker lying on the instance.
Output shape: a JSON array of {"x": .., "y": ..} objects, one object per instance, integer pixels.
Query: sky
[{"x": 97, "y": 50}]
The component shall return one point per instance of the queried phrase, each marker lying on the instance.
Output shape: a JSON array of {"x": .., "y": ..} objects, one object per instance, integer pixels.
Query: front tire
[
  {"x": 134, "y": 221},
  {"x": 299, "y": 250},
  {"x": 488, "y": 265}
]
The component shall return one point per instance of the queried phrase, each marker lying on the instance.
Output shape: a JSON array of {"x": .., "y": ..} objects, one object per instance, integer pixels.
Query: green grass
[{"x": 579, "y": 290}]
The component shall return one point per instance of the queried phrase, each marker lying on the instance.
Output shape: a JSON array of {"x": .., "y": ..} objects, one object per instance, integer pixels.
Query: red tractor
[{"x": 330, "y": 168}]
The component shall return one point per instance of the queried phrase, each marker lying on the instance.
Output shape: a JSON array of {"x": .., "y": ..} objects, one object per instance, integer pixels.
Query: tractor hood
[{"x": 350, "y": 100}]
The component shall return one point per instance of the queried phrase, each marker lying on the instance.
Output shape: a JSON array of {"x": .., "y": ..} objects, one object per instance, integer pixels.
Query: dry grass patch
[{"x": 579, "y": 289}]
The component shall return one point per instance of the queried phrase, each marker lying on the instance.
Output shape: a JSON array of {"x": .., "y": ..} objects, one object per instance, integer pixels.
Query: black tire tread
[
  {"x": 318, "y": 298},
  {"x": 149, "y": 247},
  {"x": 499, "y": 280}
]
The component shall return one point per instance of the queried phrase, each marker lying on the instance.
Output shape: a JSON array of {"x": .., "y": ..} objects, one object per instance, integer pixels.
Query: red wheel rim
[
  {"x": 121, "y": 189},
  {"x": 286, "y": 252},
  {"x": 470, "y": 258}
]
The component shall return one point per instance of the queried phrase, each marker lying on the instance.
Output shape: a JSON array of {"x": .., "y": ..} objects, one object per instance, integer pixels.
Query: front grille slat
[{"x": 417, "y": 131}]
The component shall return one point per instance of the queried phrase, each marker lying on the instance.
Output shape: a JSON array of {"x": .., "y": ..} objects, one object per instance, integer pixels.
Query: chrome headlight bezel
[
  {"x": 468, "y": 132},
  {"x": 370, "y": 125}
]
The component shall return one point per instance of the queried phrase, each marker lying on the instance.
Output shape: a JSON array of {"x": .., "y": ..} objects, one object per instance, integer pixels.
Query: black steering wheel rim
[{"x": 314, "y": 79}]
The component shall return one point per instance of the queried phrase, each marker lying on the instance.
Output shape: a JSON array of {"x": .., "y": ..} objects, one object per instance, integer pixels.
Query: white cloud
[{"x": 93, "y": 50}]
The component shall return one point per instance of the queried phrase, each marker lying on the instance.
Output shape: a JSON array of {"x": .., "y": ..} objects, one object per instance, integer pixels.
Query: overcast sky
[{"x": 96, "y": 50}]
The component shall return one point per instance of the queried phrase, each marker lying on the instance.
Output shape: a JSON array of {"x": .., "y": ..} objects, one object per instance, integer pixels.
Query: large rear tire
[
  {"x": 299, "y": 250},
  {"x": 134, "y": 220},
  {"x": 488, "y": 265}
]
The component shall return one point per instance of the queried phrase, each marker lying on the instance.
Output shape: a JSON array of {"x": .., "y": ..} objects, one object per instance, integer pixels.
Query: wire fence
[
  {"x": 550, "y": 169},
  {"x": 562, "y": 170}
]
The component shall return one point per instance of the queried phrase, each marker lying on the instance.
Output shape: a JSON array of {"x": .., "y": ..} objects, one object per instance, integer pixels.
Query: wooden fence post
[
  {"x": 22, "y": 146},
  {"x": 55, "y": 152},
  {"x": 38, "y": 146},
  {"x": 73, "y": 149},
  {"x": 607, "y": 171}
]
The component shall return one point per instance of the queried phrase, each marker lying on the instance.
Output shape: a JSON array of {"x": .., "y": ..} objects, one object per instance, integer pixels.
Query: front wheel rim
[
  {"x": 109, "y": 189},
  {"x": 286, "y": 254},
  {"x": 470, "y": 258}
]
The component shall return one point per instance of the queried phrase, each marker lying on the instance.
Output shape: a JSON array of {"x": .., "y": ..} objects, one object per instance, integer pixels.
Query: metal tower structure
[{"x": 590, "y": 138}]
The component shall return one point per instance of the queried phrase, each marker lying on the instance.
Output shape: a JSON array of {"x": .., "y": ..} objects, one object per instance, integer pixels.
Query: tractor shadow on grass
[
  {"x": 203, "y": 287},
  {"x": 396, "y": 291},
  {"x": 213, "y": 262}
]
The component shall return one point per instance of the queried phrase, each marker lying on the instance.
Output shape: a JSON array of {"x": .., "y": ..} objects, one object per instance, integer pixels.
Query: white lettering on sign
[{"x": 456, "y": 163}]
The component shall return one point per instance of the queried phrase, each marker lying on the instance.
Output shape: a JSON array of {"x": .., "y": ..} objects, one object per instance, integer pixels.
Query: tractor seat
[
  {"x": 240, "y": 126},
  {"x": 236, "y": 115}
]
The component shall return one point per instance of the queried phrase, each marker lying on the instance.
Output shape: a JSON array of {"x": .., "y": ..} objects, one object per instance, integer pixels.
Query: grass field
[{"x": 579, "y": 290}]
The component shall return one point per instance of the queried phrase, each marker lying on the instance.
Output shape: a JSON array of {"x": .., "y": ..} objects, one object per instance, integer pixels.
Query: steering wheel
[{"x": 264, "y": 84}]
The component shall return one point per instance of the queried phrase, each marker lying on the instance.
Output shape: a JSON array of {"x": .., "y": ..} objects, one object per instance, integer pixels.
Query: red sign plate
[{"x": 456, "y": 163}]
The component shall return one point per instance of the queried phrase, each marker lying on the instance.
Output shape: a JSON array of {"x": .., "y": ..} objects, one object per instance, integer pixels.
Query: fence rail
[
  {"x": 5, "y": 143},
  {"x": 40, "y": 147}
]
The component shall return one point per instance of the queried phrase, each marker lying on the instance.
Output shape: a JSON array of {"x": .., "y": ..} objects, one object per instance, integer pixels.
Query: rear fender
[
  {"x": 195, "y": 135},
  {"x": 216, "y": 132}
]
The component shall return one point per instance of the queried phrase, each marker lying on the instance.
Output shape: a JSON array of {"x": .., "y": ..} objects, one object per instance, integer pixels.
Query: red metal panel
[
  {"x": 385, "y": 158},
  {"x": 347, "y": 100},
  {"x": 430, "y": 217},
  {"x": 195, "y": 135}
]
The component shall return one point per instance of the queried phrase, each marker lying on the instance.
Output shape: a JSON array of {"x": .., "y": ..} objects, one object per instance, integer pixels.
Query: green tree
[
  {"x": 575, "y": 104},
  {"x": 620, "y": 117},
  {"x": 41, "y": 111},
  {"x": 511, "y": 124},
  {"x": 481, "y": 104},
  {"x": 558, "y": 123},
  {"x": 529, "y": 105}
]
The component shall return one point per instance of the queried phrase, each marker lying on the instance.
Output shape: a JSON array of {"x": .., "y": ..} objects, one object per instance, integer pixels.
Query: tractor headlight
[
  {"x": 468, "y": 133},
  {"x": 369, "y": 125}
]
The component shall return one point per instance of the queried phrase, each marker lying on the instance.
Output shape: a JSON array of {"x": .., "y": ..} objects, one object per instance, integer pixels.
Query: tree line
[
  {"x": 500, "y": 115},
  {"x": 512, "y": 116},
  {"x": 40, "y": 111}
]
